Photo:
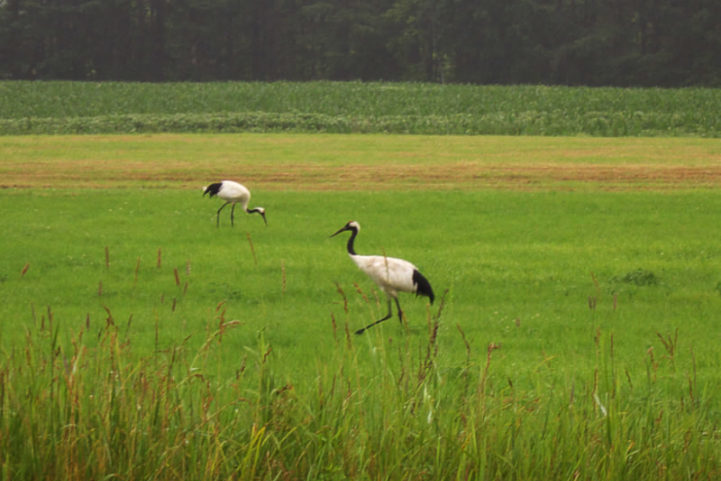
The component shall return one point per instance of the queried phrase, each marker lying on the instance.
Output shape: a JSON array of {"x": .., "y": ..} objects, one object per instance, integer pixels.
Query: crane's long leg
[
  {"x": 400, "y": 312},
  {"x": 388, "y": 316},
  {"x": 217, "y": 217},
  {"x": 232, "y": 213}
]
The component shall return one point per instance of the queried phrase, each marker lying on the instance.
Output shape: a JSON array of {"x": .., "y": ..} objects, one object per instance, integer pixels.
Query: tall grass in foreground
[{"x": 376, "y": 410}]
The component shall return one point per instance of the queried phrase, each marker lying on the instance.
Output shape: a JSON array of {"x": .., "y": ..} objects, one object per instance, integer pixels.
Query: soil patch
[{"x": 463, "y": 175}]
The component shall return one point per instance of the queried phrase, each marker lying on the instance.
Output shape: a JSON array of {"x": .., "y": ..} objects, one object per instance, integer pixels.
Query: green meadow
[
  {"x": 572, "y": 337},
  {"x": 577, "y": 272}
]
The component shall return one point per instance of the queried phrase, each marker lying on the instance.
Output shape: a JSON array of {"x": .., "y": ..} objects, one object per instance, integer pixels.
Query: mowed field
[
  {"x": 574, "y": 332},
  {"x": 322, "y": 162}
]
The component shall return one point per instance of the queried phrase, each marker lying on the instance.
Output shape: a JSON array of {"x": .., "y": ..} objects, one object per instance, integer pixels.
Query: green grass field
[{"x": 573, "y": 336}]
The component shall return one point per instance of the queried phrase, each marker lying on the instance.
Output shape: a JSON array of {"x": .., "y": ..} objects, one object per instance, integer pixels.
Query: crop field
[
  {"x": 573, "y": 335},
  {"x": 355, "y": 107}
]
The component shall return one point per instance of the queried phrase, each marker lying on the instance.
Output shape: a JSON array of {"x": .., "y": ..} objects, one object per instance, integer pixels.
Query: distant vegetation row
[{"x": 355, "y": 107}]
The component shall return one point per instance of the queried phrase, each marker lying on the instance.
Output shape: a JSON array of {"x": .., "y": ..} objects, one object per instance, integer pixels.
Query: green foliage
[
  {"x": 640, "y": 277},
  {"x": 580, "y": 42},
  {"x": 78, "y": 108}
]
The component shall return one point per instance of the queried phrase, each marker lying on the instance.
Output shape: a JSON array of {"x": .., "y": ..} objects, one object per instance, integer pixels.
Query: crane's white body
[
  {"x": 390, "y": 274},
  {"x": 232, "y": 193}
]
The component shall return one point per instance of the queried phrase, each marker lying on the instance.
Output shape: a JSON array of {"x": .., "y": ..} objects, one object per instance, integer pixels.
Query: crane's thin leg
[
  {"x": 388, "y": 316},
  {"x": 217, "y": 217},
  {"x": 232, "y": 213},
  {"x": 400, "y": 312}
]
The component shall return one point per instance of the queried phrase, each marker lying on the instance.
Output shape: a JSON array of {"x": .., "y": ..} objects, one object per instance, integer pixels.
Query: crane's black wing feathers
[{"x": 423, "y": 287}]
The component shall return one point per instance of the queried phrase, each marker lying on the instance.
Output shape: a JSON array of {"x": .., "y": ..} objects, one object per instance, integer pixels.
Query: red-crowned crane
[
  {"x": 391, "y": 275},
  {"x": 232, "y": 193}
]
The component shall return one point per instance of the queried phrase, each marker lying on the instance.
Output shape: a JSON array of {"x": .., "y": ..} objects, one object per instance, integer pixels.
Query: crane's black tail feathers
[
  {"x": 213, "y": 189},
  {"x": 423, "y": 287}
]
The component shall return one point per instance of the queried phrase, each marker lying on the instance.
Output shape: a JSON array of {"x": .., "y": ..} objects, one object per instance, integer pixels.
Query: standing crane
[
  {"x": 391, "y": 275},
  {"x": 232, "y": 193}
]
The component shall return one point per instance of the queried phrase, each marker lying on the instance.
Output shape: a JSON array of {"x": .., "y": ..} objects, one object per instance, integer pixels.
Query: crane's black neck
[
  {"x": 213, "y": 189},
  {"x": 351, "y": 239}
]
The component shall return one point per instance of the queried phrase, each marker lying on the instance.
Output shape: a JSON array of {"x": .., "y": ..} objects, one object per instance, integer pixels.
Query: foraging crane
[
  {"x": 391, "y": 275},
  {"x": 232, "y": 193}
]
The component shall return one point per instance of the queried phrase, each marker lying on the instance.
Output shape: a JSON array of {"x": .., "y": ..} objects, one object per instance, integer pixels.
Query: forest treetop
[{"x": 666, "y": 43}]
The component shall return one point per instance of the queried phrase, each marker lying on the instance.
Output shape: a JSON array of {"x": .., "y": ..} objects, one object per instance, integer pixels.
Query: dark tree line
[{"x": 574, "y": 42}]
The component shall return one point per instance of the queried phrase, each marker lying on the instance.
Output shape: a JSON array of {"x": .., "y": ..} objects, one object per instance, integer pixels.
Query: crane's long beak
[
  {"x": 264, "y": 219},
  {"x": 342, "y": 229}
]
